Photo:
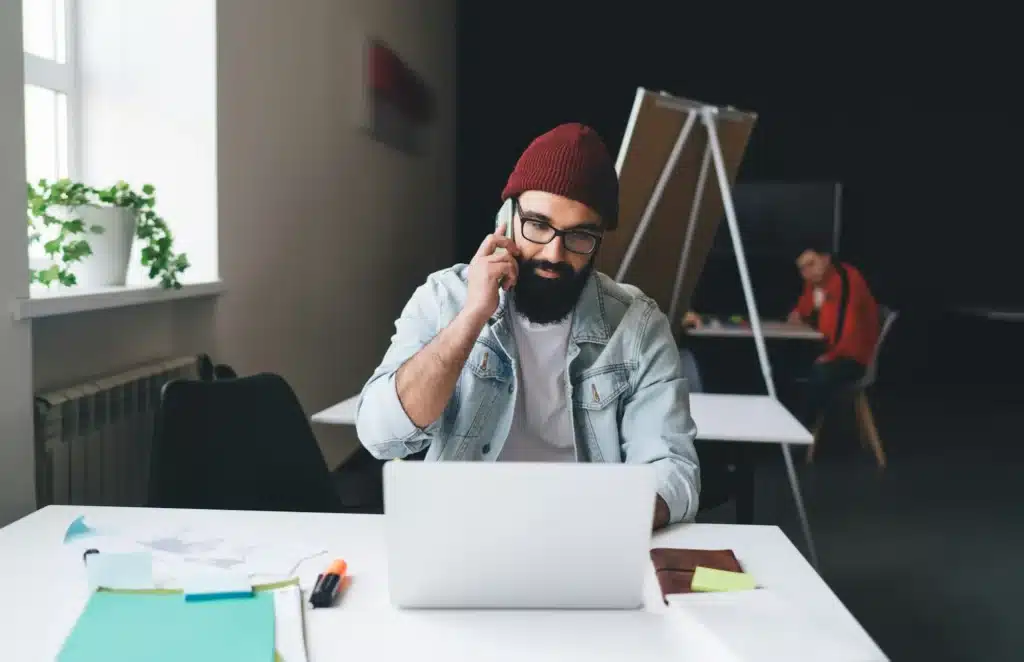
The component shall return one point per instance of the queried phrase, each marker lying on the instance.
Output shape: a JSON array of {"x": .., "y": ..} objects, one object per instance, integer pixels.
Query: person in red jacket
[{"x": 837, "y": 301}]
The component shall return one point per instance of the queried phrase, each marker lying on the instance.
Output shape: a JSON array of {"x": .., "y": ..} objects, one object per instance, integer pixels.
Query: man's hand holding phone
[{"x": 493, "y": 267}]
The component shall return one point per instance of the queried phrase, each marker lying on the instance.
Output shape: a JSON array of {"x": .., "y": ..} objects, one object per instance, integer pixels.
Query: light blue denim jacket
[{"x": 630, "y": 401}]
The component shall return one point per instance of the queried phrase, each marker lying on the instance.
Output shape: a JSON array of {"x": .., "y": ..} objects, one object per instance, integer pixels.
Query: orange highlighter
[{"x": 328, "y": 584}]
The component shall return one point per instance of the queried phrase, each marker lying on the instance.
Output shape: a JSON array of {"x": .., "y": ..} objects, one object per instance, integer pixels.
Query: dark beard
[{"x": 548, "y": 300}]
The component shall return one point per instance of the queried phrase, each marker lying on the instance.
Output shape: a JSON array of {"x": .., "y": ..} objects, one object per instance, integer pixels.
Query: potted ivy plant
[{"x": 87, "y": 234}]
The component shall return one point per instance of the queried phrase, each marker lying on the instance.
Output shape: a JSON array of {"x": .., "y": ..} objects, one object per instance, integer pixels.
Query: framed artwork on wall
[{"x": 398, "y": 106}]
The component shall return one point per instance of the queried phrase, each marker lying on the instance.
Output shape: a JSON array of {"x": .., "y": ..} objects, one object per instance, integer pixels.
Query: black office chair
[{"x": 237, "y": 444}]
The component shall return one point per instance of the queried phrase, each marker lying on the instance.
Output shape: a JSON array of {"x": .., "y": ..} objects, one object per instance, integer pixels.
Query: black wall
[{"x": 918, "y": 118}]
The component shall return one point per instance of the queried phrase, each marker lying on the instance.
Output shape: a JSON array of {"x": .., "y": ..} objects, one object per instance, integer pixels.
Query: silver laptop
[{"x": 518, "y": 535}]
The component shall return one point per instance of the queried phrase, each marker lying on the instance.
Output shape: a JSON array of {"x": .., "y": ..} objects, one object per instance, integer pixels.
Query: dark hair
[{"x": 819, "y": 247}]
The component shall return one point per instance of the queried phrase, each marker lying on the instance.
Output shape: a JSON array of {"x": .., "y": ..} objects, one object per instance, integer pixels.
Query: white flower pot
[{"x": 111, "y": 250}]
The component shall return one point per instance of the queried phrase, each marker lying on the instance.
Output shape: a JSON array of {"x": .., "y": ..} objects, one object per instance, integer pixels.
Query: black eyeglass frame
[{"x": 518, "y": 211}]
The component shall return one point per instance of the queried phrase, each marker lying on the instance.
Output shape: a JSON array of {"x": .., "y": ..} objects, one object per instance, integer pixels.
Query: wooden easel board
[{"x": 652, "y": 130}]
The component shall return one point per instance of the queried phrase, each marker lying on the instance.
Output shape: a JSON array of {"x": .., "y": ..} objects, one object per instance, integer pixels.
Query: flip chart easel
[{"x": 670, "y": 148}]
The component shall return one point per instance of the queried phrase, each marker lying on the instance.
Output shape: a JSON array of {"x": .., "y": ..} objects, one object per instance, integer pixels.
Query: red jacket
[{"x": 861, "y": 325}]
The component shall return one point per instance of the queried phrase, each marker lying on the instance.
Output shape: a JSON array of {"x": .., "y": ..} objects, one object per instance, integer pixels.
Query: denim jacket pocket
[
  {"x": 486, "y": 377},
  {"x": 595, "y": 398},
  {"x": 594, "y": 390}
]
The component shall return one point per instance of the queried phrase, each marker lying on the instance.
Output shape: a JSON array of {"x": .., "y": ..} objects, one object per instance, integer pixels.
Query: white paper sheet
[
  {"x": 289, "y": 635},
  {"x": 762, "y": 626},
  {"x": 179, "y": 552}
]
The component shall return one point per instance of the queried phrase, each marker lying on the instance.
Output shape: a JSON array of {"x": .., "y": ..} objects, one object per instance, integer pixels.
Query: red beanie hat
[{"x": 571, "y": 161}]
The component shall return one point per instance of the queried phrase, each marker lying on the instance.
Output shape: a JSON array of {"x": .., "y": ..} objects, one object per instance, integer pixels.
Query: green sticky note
[
  {"x": 709, "y": 579},
  {"x": 163, "y": 627}
]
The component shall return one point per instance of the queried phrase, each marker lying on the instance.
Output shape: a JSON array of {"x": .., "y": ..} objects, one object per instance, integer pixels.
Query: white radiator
[{"x": 93, "y": 440}]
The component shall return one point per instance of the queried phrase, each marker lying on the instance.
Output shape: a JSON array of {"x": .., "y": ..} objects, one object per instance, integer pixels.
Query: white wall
[
  {"x": 17, "y": 474},
  {"x": 323, "y": 234}
]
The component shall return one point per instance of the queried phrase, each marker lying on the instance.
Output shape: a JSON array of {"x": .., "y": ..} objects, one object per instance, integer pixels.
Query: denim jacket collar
[{"x": 589, "y": 322}]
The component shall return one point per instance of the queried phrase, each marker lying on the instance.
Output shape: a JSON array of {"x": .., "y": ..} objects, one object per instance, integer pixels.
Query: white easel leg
[
  {"x": 659, "y": 188},
  {"x": 708, "y": 116},
  {"x": 698, "y": 196}
]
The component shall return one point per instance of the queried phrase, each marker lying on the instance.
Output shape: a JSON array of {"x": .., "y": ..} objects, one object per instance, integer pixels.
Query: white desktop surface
[
  {"x": 771, "y": 329},
  {"x": 343, "y": 413},
  {"x": 746, "y": 418},
  {"x": 45, "y": 590},
  {"x": 719, "y": 417}
]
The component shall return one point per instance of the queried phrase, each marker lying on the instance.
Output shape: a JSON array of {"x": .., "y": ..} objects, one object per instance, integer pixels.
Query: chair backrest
[
  {"x": 887, "y": 318},
  {"x": 237, "y": 444}
]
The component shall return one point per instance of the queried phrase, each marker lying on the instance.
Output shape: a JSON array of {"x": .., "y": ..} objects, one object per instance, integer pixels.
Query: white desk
[
  {"x": 772, "y": 330},
  {"x": 45, "y": 591},
  {"x": 746, "y": 418},
  {"x": 719, "y": 417},
  {"x": 343, "y": 413}
]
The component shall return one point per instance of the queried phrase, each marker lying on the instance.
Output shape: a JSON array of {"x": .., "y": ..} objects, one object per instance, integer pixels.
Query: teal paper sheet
[{"x": 163, "y": 627}]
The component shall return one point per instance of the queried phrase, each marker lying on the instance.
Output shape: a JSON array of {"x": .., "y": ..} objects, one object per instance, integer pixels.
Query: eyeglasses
[{"x": 540, "y": 231}]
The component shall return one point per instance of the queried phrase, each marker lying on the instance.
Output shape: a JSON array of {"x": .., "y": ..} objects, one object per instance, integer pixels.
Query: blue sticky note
[
  {"x": 77, "y": 529},
  {"x": 127, "y": 627},
  {"x": 216, "y": 584},
  {"x": 132, "y": 570}
]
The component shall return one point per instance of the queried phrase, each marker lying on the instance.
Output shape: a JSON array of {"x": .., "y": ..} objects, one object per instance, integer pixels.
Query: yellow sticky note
[{"x": 709, "y": 579}]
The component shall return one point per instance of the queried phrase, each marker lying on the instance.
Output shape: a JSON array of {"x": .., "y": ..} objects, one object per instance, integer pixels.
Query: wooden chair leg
[
  {"x": 867, "y": 424},
  {"x": 862, "y": 435},
  {"x": 816, "y": 431}
]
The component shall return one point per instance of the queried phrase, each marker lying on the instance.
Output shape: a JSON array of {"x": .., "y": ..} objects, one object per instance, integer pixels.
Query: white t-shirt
[
  {"x": 819, "y": 298},
  {"x": 541, "y": 428}
]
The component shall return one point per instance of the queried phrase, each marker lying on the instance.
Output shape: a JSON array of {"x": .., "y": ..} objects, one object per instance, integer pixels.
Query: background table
[
  {"x": 769, "y": 328},
  {"x": 45, "y": 590},
  {"x": 719, "y": 417},
  {"x": 343, "y": 413}
]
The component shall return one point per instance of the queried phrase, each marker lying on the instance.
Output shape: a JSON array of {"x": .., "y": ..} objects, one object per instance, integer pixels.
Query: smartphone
[{"x": 504, "y": 215}]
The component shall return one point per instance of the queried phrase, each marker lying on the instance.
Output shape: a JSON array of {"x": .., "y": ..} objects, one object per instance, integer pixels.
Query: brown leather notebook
[{"x": 675, "y": 567}]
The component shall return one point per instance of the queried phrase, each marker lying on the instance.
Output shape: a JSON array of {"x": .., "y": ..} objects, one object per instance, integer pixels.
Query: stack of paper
[
  {"x": 184, "y": 595},
  {"x": 163, "y": 627},
  {"x": 158, "y": 625}
]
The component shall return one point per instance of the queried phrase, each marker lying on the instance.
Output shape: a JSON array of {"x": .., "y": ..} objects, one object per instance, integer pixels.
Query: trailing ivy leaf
[
  {"x": 97, "y": 229},
  {"x": 74, "y": 227},
  {"x": 52, "y": 247},
  {"x": 76, "y": 250},
  {"x": 50, "y": 274},
  {"x": 68, "y": 279},
  {"x": 148, "y": 189}
]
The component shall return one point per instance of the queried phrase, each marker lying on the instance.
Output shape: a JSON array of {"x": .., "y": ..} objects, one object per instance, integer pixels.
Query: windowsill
[{"x": 65, "y": 302}]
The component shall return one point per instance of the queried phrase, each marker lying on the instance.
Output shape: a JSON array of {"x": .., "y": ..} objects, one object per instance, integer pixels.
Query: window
[
  {"x": 50, "y": 88},
  {"x": 50, "y": 97},
  {"x": 109, "y": 99}
]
